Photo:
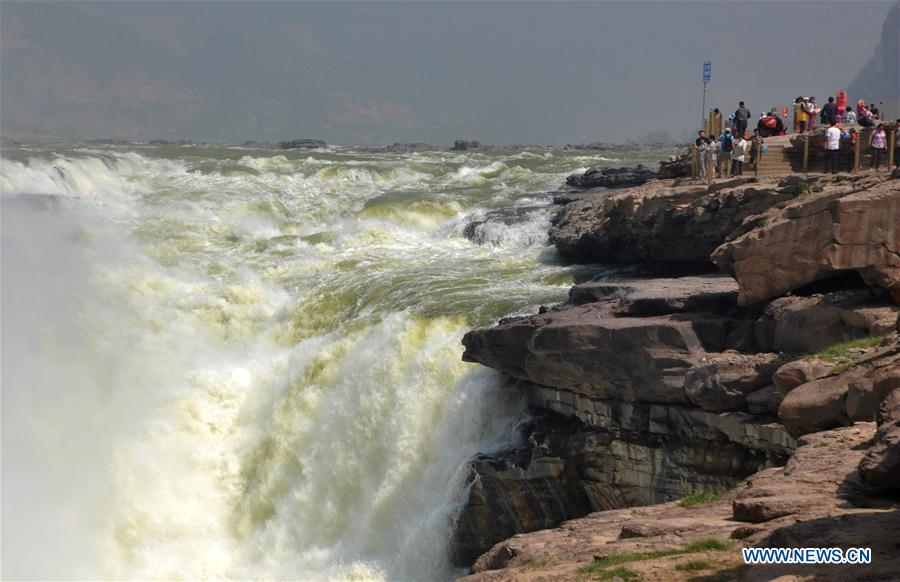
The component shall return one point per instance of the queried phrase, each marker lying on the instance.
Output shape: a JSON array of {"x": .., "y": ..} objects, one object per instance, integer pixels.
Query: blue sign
[{"x": 707, "y": 71}]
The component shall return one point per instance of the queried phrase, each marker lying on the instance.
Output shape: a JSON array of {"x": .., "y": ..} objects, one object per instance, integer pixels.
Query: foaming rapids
[{"x": 222, "y": 364}]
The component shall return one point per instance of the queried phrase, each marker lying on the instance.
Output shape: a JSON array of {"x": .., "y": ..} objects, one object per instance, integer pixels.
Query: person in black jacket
[
  {"x": 829, "y": 112},
  {"x": 741, "y": 116}
]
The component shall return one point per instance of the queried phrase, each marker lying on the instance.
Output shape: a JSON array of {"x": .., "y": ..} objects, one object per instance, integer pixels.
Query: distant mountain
[{"x": 879, "y": 79}]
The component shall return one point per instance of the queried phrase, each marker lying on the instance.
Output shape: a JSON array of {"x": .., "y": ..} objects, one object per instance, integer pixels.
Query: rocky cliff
[{"x": 650, "y": 388}]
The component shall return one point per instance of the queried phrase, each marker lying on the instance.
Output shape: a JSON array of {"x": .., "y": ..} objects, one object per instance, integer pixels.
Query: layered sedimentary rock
[
  {"x": 850, "y": 226},
  {"x": 817, "y": 496},
  {"x": 660, "y": 221},
  {"x": 615, "y": 362},
  {"x": 842, "y": 398},
  {"x": 660, "y": 386},
  {"x": 881, "y": 463}
]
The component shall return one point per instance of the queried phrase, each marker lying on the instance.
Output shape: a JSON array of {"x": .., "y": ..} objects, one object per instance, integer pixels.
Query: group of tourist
[
  {"x": 724, "y": 155},
  {"x": 834, "y": 135},
  {"x": 835, "y": 110}
]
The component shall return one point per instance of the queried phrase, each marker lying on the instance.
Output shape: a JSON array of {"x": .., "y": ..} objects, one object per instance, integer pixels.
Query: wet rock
[
  {"x": 597, "y": 177},
  {"x": 302, "y": 143},
  {"x": 493, "y": 226},
  {"x": 465, "y": 144}
]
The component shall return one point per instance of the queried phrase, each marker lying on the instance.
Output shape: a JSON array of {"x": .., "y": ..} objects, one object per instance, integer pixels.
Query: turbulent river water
[{"x": 222, "y": 362}]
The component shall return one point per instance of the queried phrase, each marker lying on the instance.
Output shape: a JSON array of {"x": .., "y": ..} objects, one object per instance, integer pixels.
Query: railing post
[
  {"x": 694, "y": 169},
  {"x": 806, "y": 154},
  {"x": 856, "y": 149},
  {"x": 758, "y": 158},
  {"x": 892, "y": 143}
]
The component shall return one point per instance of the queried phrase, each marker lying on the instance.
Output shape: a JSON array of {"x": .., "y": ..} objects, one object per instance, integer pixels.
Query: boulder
[
  {"x": 798, "y": 372},
  {"x": 852, "y": 225},
  {"x": 881, "y": 464},
  {"x": 809, "y": 324},
  {"x": 836, "y": 400},
  {"x": 764, "y": 401},
  {"x": 724, "y": 381}
]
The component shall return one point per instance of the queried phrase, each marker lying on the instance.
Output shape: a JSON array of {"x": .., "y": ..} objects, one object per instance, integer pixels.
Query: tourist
[
  {"x": 800, "y": 115},
  {"x": 741, "y": 118},
  {"x": 702, "y": 144},
  {"x": 850, "y": 136},
  {"x": 832, "y": 147},
  {"x": 830, "y": 112},
  {"x": 851, "y": 116},
  {"x": 811, "y": 111},
  {"x": 737, "y": 155},
  {"x": 770, "y": 124},
  {"x": 863, "y": 115},
  {"x": 842, "y": 106},
  {"x": 756, "y": 143},
  {"x": 726, "y": 145},
  {"x": 878, "y": 143},
  {"x": 712, "y": 156}
]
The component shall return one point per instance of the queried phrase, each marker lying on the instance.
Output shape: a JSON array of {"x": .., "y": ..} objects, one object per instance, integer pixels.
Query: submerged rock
[
  {"x": 495, "y": 225},
  {"x": 302, "y": 143},
  {"x": 464, "y": 144}
]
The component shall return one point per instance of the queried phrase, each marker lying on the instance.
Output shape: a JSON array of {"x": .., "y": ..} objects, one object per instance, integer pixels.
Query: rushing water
[{"x": 222, "y": 362}]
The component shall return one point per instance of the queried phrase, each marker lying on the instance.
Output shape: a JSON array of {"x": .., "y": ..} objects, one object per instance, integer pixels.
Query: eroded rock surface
[
  {"x": 881, "y": 464},
  {"x": 659, "y": 221},
  {"x": 852, "y": 225},
  {"x": 817, "y": 495},
  {"x": 842, "y": 398}
]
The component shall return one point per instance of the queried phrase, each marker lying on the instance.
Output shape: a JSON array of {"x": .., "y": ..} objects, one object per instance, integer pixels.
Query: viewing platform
[{"x": 805, "y": 153}]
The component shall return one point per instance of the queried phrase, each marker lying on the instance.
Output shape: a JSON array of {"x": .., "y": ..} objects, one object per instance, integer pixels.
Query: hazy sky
[{"x": 379, "y": 72}]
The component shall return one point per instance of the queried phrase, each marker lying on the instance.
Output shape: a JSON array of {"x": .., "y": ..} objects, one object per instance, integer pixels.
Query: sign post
[{"x": 707, "y": 75}]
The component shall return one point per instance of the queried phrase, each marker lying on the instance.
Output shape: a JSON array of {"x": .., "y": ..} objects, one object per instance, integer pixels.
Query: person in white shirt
[
  {"x": 832, "y": 147},
  {"x": 737, "y": 155},
  {"x": 851, "y": 116}
]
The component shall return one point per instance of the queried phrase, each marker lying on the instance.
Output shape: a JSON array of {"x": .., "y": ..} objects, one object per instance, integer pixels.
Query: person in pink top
[
  {"x": 842, "y": 106},
  {"x": 878, "y": 143},
  {"x": 863, "y": 115}
]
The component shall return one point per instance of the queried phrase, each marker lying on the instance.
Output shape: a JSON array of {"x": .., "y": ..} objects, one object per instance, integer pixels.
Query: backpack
[{"x": 727, "y": 144}]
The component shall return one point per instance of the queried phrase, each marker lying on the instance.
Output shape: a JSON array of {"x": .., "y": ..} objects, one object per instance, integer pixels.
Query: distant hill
[{"x": 879, "y": 79}]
